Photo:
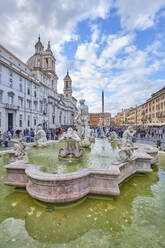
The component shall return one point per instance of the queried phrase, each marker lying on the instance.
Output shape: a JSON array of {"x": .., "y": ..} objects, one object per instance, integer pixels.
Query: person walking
[
  {"x": 160, "y": 132},
  {"x": 5, "y": 138}
]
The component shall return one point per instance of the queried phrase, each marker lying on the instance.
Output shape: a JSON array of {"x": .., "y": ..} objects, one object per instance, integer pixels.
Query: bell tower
[
  {"x": 67, "y": 86},
  {"x": 48, "y": 65},
  {"x": 48, "y": 60}
]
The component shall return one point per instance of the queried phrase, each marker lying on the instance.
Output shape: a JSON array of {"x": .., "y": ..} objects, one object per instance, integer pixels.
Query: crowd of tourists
[
  {"x": 153, "y": 133},
  {"x": 28, "y": 135}
]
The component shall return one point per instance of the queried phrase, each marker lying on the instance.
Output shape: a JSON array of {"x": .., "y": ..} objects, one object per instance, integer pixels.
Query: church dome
[{"x": 34, "y": 61}]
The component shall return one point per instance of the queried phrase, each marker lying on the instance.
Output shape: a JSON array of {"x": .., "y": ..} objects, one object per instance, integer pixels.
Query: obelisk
[{"x": 102, "y": 108}]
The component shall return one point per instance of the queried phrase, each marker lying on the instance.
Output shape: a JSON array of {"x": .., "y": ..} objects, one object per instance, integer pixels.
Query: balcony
[
  {"x": 11, "y": 106},
  {"x": 161, "y": 116}
]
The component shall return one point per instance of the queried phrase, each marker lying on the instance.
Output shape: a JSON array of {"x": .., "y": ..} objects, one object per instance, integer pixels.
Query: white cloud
[
  {"x": 121, "y": 69},
  {"x": 138, "y": 14},
  {"x": 22, "y": 20},
  {"x": 115, "y": 45},
  {"x": 109, "y": 61}
]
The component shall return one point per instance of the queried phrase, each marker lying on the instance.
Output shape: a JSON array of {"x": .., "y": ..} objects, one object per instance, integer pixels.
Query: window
[
  {"x": 28, "y": 104},
  {"x": 41, "y": 107},
  {"x": 10, "y": 73},
  {"x": 0, "y": 78},
  {"x": 66, "y": 84},
  {"x": 20, "y": 120},
  {"x": 1, "y": 95},
  {"x": 0, "y": 120},
  {"x": 161, "y": 105},
  {"x": 28, "y": 88},
  {"x": 11, "y": 83},
  {"x": 46, "y": 60},
  {"x": 35, "y": 106},
  {"x": 44, "y": 107},
  {"x": 20, "y": 87},
  {"x": 11, "y": 98},
  {"x": 20, "y": 100},
  {"x": 35, "y": 94},
  {"x": 53, "y": 119},
  {"x": 35, "y": 122},
  {"x": 38, "y": 62},
  {"x": 28, "y": 122},
  {"x": 20, "y": 79}
]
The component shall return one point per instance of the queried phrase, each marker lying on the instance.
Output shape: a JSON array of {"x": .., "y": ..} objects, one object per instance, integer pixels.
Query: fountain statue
[
  {"x": 72, "y": 150},
  {"x": 41, "y": 140},
  {"x": 128, "y": 135},
  {"x": 19, "y": 152},
  {"x": 82, "y": 125},
  {"x": 125, "y": 147},
  {"x": 113, "y": 137}
]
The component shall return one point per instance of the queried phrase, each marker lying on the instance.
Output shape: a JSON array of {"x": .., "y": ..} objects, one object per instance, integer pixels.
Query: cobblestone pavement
[
  {"x": 3, "y": 148},
  {"x": 151, "y": 141}
]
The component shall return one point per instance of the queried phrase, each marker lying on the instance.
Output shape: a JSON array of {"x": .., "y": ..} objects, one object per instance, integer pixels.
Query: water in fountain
[
  {"x": 96, "y": 157},
  {"x": 136, "y": 218}
]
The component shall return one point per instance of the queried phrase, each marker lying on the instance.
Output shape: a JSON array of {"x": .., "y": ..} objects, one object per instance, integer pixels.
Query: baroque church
[{"x": 28, "y": 92}]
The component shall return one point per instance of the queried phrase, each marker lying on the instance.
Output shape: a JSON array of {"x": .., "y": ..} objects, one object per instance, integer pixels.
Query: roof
[
  {"x": 34, "y": 61},
  {"x": 67, "y": 77}
]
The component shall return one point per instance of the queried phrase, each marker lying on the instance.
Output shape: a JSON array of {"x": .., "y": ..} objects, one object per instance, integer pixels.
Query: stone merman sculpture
[
  {"x": 125, "y": 147},
  {"x": 40, "y": 137},
  {"x": 19, "y": 152},
  {"x": 128, "y": 136},
  {"x": 72, "y": 150}
]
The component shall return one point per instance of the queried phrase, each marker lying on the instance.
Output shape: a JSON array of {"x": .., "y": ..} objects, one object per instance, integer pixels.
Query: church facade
[{"x": 28, "y": 92}]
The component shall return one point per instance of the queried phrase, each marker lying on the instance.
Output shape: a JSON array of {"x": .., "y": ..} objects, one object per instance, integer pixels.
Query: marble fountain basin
[{"x": 69, "y": 187}]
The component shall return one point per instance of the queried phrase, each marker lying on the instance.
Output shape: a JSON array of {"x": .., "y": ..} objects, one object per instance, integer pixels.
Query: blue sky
[{"x": 115, "y": 45}]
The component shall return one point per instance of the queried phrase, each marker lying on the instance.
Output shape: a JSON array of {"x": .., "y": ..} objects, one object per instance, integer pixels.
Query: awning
[{"x": 155, "y": 124}]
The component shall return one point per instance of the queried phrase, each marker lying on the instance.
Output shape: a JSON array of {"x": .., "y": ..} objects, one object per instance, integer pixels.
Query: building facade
[
  {"x": 150, "y": 112},
  {"x": 28, "y": 92},
  {"x": 154, "y": 108},
  {"x": 131, "y": 116},
  {"x": 119, "y": 118},
  {"x": 95, "y": 119}
]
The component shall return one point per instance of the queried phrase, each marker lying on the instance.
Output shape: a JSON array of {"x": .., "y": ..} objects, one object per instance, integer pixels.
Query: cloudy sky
[{"x": 115, "y": 45}]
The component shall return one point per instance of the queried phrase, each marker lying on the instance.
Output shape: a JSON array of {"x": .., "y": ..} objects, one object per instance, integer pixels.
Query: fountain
[
  {"x": 91, "y": 222},
  {"x": 96, "y": 173},
  {"x": 69, "y": 187},
  {"x": 29, "y": 217}
]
